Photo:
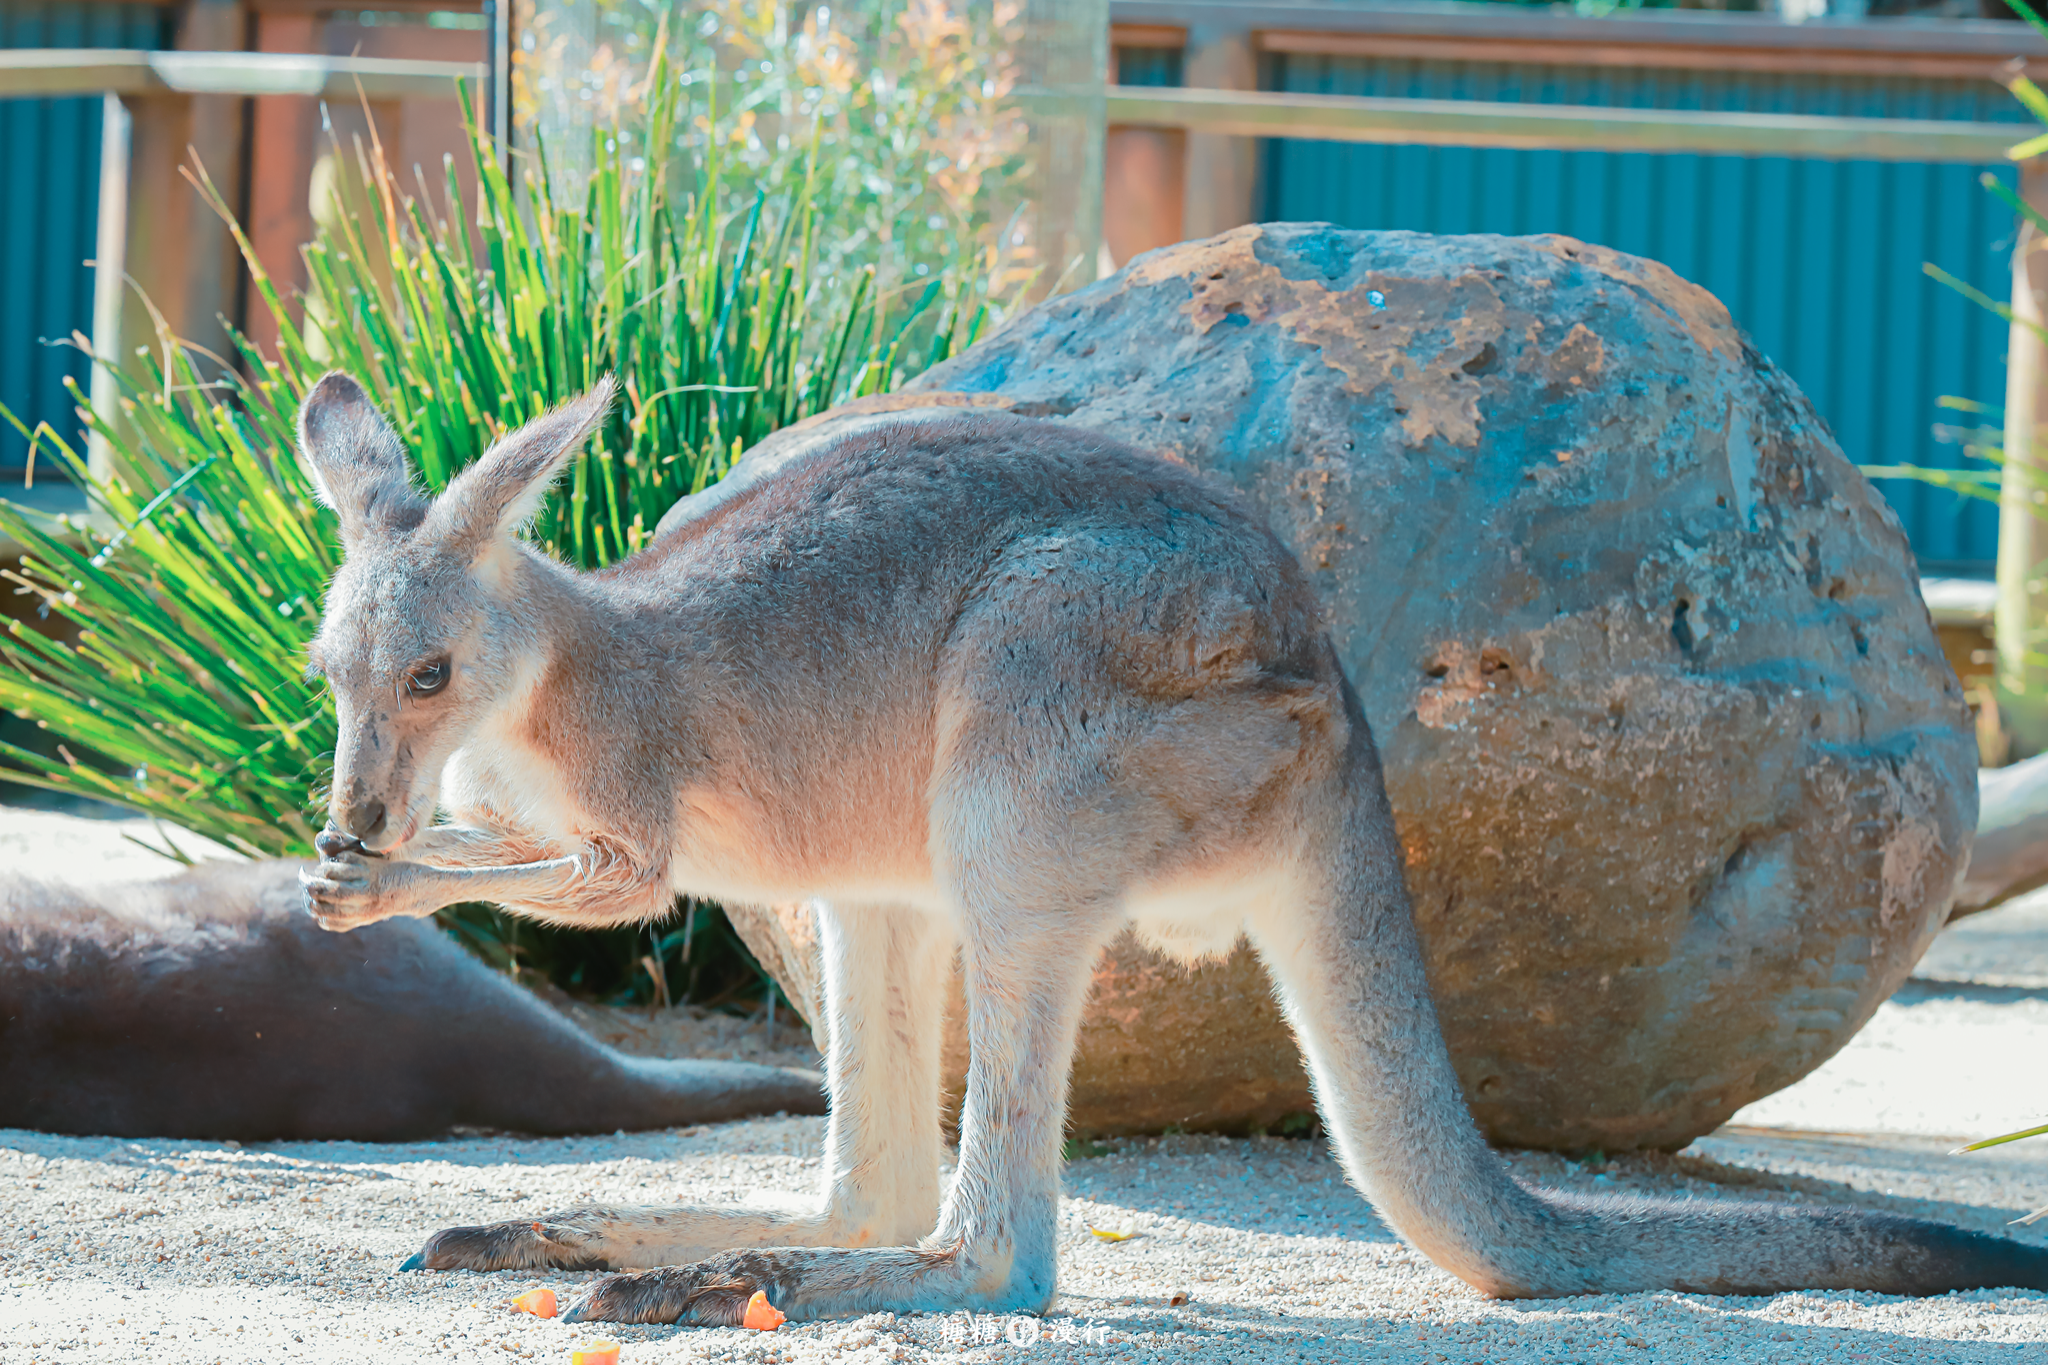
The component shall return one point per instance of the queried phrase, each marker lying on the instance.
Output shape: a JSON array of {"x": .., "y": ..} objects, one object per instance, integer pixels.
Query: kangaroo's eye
[{"x": 424, "y": 680}]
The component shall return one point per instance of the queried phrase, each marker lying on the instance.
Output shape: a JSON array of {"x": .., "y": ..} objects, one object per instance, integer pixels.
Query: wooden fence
[{"x": 1186, "y": 161}]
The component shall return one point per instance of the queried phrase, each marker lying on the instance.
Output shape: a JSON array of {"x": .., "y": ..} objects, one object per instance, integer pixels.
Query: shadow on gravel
[
  {"x": 1885, "y": 1163},
  {"x": 1923, "y": 991},
  {"x": 1296, "y": 1189},
  {"x": 1592, "y": 1330}
]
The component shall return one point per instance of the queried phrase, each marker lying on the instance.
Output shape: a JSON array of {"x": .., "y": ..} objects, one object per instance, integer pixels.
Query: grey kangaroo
[{"x": 970, "y": 681}]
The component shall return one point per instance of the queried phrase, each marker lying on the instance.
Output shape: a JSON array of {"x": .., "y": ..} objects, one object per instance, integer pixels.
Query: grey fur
[{"x": 209, "y": 1005}]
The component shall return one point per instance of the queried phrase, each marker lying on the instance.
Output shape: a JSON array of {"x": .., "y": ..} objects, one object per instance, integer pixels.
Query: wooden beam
[
  {"x": 1960, "y": 601},
  {"x": 46, "y": 72},
  {"x": 332, "y": 7},
  {"x": 327, "y": 7},
  {"x": 1485, "y": 123},
  {"x": 1902, "y": 38},
  {"x": 1148, "y": 35},
  {"x": 1657, "y": 56}
]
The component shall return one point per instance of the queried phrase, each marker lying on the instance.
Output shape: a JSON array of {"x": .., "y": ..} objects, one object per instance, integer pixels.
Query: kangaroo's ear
[
  {"x": 503, "y": 489},
  {"x": 355, "y": 459}
]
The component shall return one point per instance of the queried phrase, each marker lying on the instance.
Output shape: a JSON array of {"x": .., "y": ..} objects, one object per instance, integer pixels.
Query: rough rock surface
[{"x": 1684, "y": 782}]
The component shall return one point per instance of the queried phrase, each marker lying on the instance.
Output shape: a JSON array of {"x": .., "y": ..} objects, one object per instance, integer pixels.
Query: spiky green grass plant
[{"x": 199, "y": 581}]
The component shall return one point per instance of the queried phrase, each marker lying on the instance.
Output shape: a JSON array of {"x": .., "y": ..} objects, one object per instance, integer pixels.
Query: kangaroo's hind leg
[
  {"x": 1344, "y": 953},
  {"x": 882, "y": 972}
]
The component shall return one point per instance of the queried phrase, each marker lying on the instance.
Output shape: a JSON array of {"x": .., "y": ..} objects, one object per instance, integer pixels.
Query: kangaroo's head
[{"x": 425, "y": 634}]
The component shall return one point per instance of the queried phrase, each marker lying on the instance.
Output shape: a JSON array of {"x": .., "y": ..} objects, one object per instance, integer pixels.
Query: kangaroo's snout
[
  {"x": 372, "y": 794},
  {"x": 362, "y": 820}
]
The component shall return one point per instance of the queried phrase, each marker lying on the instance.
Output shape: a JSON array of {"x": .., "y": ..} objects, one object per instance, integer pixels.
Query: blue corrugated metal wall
[
  {"x": 50, "y": 163},
  {"x": 1820, "y": 261}
]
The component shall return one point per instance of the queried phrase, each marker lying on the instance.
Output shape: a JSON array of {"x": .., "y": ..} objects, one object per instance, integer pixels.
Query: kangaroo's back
[
  {"x": 899, "y": 521},
  {"x": 849, "y": 594}
]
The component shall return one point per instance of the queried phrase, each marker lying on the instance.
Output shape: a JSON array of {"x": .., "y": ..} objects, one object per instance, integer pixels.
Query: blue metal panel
[
  {"x": 50, "y": 163},
  {"x": 1819, "y": 261},
  {"x": 1148, "y": 66}
]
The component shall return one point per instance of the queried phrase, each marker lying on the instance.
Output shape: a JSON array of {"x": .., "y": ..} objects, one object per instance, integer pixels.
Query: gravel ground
[
  {"x": 118, "y": 1250},
  {"x": 177, "y": 1252}
]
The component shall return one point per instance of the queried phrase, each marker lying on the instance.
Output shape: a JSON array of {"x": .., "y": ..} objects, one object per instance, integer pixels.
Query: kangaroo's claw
[
  {"x": 343, "y": 891},
  {"x": 711, "y": 1293}
]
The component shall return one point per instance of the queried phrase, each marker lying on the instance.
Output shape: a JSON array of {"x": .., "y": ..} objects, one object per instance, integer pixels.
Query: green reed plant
[
  {"x": 1983, "y": 441},
  {"x": 197, "y": 583}
]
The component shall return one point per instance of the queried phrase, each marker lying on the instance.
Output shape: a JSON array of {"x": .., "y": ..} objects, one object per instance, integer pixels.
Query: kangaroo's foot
[
  {"x": 560, "y": 1241},
  {"x": 807, "y": 1283},
  {"x": 631, "y": 1238}
]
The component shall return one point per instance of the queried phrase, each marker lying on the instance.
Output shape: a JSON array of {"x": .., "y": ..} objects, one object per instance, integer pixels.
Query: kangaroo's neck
[
  {"x": 556, "y": 640},
  {"x": 554, "y": 611},
  {"x": 585, "y": 661}
]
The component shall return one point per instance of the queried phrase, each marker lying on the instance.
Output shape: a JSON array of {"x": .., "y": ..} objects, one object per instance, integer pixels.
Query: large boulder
[{"x": 1684, "y": 782}]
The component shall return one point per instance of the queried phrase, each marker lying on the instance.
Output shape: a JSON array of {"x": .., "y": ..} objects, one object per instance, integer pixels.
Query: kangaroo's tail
[
  {"x": 1350, "y": 976},
  {"x": 1712, "y": 1247}
]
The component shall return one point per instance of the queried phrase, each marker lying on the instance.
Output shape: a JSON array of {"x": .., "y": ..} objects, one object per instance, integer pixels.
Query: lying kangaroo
[
  {"x": 207, "y": 1005},
  {"x": 971, "y": 680}
]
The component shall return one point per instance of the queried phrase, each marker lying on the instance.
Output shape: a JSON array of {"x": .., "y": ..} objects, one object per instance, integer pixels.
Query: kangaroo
[
  {"x": 207, "y": 1005},
  {"x": 973, "y": 681}
]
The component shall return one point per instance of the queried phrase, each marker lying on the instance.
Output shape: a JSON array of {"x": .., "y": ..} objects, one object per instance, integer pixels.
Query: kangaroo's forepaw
[
  {"x": 347, "y": 891},
  {"x": 711, "y": 1293},
  {"x": 543, "y": 1245}
]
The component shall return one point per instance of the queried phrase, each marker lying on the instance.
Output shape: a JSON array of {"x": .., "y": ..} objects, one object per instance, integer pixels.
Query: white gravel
[
  {"x": 117, "y": 1250},
  {"x": 181, "y": 1252}
]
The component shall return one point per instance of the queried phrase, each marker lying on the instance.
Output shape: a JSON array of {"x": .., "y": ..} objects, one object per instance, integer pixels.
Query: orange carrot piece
[
  {"x": 539, "y": 1302},
  {"x": 762, "y": 1316},
  {"x": 595, "y": 1353}
]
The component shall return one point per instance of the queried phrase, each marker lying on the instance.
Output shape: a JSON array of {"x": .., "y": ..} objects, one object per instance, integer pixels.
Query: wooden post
[
  {"x": 1144, "y": 170},
  {"x": 2022, "y": 683},
  {"x": 1063, "y": 50},
  {"x": 500, "y": 18},
  {"x": 200, "y": 252},
  {"x": 172, "y": 248},
  {"x": 283, "y": 145},
  {"x": 159, "y": 251},
  {"x": 1222, "y": 170},
  {"x": 109, "y": 276},
  {"x": 1144, "y": 191}
]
